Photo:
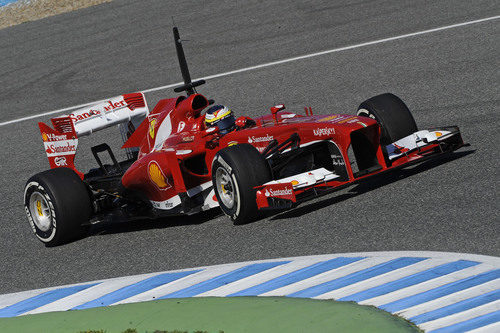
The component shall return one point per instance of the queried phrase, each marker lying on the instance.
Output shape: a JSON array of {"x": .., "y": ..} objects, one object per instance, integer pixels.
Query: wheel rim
[
  {"x": 225, "y": 188},
  {"x": 40, "y": 211}
]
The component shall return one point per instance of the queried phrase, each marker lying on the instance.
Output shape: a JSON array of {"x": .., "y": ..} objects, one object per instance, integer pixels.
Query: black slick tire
[
  {"x": 236, "y": 170},
  {"x": 57, "y": 203},
  {"x": 394, "y": 117}
]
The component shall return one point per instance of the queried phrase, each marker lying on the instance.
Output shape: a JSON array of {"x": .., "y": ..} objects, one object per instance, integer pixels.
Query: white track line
[
  {"x": 49, "y": 113},
  {"x": 283, "y": 61}
]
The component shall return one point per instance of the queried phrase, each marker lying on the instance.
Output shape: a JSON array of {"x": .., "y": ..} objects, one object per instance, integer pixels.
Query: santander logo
[
  {"x": 85, "y": 115},
  {"x": 112, "y": 106},
  {"x": 257, "y": 139},
  {"x": 109, "y": 106},
  {"x": 66, "y": 147},
  {"x": 276, "y": 193}
]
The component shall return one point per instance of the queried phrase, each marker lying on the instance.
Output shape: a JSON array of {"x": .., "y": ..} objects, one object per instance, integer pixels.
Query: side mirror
[{"x": 241, "y": 122}]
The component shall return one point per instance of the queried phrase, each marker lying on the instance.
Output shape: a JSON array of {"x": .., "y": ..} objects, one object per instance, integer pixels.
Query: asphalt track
[{"x": 448, "y": 77}]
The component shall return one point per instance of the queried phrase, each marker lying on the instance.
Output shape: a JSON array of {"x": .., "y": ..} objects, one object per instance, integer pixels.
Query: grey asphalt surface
[{"x": 448, "y": 77}]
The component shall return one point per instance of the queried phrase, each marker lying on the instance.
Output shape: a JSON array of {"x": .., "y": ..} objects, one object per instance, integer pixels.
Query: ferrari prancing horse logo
[{"x": 152, "y": 125}]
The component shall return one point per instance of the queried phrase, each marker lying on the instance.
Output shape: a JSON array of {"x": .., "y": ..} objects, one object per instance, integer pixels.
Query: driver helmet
[{"x": 220, "y": 116}]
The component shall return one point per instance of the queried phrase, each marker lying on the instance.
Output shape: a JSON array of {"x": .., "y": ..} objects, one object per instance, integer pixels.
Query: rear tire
[
  {"x": 394, "y": 117},
  {"x": 57, "y": 203},
  {"x": 236, "y": 170}
]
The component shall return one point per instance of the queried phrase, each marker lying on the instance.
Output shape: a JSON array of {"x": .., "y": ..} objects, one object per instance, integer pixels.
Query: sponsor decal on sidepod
[
  {"x": 189, "y": 138},
  {"x": 157, "y": 177},
  {"x": 253, "y": 139}
]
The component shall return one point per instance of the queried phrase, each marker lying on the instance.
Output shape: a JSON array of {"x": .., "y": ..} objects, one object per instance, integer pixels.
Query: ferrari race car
[{"x": 178, "y": 163}]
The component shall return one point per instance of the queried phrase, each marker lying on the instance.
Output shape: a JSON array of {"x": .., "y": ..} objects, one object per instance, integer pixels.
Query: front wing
[{"x": 416, "y": 148}]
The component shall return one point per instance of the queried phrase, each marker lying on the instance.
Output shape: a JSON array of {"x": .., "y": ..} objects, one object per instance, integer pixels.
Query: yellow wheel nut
[{"x": 39, "y": 207}]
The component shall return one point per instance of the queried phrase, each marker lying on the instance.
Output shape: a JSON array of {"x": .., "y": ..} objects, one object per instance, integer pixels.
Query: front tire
[
  {"x": 392, "y": 114},
  {"x": 57, "y": 203},
  {"x": 236, "y": 170}
]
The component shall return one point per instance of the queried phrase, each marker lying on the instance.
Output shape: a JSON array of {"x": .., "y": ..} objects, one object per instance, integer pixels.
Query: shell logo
[
  {"x": 295, "y": 182},
  {"x": 152, "y": 125},
  {"x": 157, "y": 176},
  {"x": 44, "y": 137}
]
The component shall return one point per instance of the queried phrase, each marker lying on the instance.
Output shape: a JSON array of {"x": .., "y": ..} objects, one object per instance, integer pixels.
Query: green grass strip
[{"x": 212, "y": 314}]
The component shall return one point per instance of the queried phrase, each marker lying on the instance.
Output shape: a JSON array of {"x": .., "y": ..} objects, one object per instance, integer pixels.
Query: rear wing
[{"x": 61, "y": 142}]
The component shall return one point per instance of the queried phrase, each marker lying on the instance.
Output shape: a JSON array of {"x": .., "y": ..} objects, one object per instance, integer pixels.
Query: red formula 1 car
[{"x": 185, "y": 157}]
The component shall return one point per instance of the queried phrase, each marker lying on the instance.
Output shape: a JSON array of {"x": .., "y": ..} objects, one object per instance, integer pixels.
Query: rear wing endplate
[{"x": 61, "y": 142}]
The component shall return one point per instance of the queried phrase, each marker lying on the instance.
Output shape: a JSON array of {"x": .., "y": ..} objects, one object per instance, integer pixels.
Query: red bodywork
[
  {"x": 176, "y": 151},
  {"x": 173, "y": 138}
]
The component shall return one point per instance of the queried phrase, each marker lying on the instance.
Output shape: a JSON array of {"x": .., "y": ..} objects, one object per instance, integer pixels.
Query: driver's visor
[{"x": 213, "y": 117}]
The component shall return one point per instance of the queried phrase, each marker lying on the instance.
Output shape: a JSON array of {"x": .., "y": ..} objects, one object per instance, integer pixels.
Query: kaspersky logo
[
  {"x": 257, "y": 139},
  {"x": 324, "y": 131}
]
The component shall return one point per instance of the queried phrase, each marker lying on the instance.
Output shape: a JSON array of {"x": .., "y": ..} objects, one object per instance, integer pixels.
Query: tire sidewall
[
  {"x": 365, "y": 111},
  {"x": 220, "y": 162},
  {"x": 45, "y": 236},
  {"x": 392, "y": 114},
  {"x": 69, "y": 202},
  {"x": 247, "y": 168}
]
